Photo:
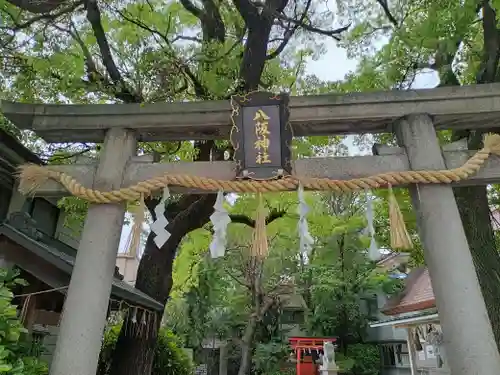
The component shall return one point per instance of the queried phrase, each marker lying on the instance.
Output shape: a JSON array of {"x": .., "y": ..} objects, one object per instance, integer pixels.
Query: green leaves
[
  {"x": 15, "y": 357},
  {"x": 169, "y": 357},
  {"x": 332, "y": 281},
  {"x": 271, "y": 357}
]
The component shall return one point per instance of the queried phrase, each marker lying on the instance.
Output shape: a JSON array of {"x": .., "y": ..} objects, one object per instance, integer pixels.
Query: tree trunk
[
  {"x": 473, "y": 201},
  {"x": 137, "y": 351},
  {"x": 475, "y": 213},
  {"x": 154, "y": 276},
  {"x": 254, "y": 56},
  {"x": 247, "y": 347},
  {"x": 134, "y": 351}
]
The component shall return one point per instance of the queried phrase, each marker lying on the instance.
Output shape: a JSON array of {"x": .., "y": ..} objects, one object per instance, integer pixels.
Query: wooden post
[
  {"x": 28, "y": 312},
  {"x": 223, "y": 353},
  {"x": 468, "y": 337},
  {"x": 412, "y": 351},
  {"x": 298, "y": 361},
  {"x": 85, "y": 308}
]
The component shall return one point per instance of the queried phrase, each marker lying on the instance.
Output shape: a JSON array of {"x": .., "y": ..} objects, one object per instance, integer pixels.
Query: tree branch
[
  {"x": 94, "y": 76},
  {"x": 287, "y": 36},
  {"x": 387, "y": 11},
  {"x": 94, "y": 17},
  {"x": 212, "y": 23},
  {"x": 89, "y": 61},
  {"x": 244, "y": 219},
  {"x": 268, "y": 303},
  {"x": 247, "y": 10},
  {"x": 48, "y": 16},
  {"x": 37, "y": 7},
  {"x": 241, "y": 282},
  {"x": 191, "y": 8},
  {"x": 331, "y": 33},
  {"x": 201, "y": 91},
  {"x": 300, "y": 23}
]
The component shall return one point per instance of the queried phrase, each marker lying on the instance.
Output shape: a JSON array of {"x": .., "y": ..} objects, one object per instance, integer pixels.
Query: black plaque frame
[{"x": 242, "y": 133}]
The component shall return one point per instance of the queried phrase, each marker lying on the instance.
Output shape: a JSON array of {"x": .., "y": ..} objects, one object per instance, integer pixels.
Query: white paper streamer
[
  {"x": 220, "y": 220},
  {"x": 373, "y": 251},
  {"x": 306, "y": 241},
  {"x": 161, "y": 222}
]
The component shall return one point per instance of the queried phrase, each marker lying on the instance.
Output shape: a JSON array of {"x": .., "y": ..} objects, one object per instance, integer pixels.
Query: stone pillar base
[{"x": 330, "y": 370}]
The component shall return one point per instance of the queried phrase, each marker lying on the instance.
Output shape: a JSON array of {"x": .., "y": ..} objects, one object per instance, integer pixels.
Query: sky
[
  {"x": 343, "y": 65},
  {"x": 323, "y": 69}
]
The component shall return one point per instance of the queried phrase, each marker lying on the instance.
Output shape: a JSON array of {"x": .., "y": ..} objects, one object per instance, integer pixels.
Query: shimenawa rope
[{"x": 33, "y": 176}]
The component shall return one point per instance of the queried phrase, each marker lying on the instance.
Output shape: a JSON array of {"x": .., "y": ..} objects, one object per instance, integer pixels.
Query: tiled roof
[
  {"x": 64, "y": 261},
  {"x": 417, "y": 295}
]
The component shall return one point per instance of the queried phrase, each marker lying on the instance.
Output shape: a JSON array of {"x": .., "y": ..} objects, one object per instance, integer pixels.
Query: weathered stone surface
[
  {"x": 341, "y": 168},
  {"x": 471, "y": 107}
]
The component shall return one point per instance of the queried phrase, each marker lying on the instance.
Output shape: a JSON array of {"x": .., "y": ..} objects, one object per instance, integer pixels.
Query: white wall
[{"x": 127, "y": 265}]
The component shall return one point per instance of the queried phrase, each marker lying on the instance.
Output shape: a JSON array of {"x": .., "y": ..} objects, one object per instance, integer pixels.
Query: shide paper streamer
[
  {"x": 306, "y": 241},
  {"x": 373, "y": 251},
  {"x": 220, "y": 220},
  {"x": 159, "y": 225}
]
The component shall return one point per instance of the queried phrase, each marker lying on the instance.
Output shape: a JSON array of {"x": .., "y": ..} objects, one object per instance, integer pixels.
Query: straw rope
[
  {"x": 399, "y": 236},
  {"x": 33, "y": 176},
  {"x": 260, "y": 246}
]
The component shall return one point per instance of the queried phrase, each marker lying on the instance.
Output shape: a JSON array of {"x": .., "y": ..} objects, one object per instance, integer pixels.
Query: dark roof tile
[{"x": 417, "y": 295}]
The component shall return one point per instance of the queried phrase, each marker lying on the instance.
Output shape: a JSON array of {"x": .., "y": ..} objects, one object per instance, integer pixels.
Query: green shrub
[
  {"x": 270, "y": 358},
  {"x": 289, "y": 371},
  {"x": 170, "y": 358},
  {"x": 366, "y": 359},
  {"x": 15, "y": 345}
]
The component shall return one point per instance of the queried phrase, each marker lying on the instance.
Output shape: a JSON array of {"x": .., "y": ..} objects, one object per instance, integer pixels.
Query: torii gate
[{"x": 412, "y": 115}]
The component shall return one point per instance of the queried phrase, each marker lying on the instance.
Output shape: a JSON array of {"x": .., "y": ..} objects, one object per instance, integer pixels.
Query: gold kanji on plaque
[
  {"x": 262, "y": 132},
  {"x": 261, "y": 135}
]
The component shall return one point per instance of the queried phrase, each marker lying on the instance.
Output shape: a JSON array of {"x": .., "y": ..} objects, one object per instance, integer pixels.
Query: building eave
[
  {"x": 414, "y": 307},
  {"x": 417, "y": 319},
  {"x": 64, "y": 262}
]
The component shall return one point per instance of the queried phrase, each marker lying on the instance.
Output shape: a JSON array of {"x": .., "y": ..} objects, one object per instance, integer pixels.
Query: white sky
[{"x": 322, "y": 68}]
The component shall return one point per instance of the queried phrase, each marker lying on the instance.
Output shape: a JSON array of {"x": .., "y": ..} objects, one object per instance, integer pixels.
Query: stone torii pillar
[
  {"x": 86, "y": 305},
  {"x": 468, "y": 337}
]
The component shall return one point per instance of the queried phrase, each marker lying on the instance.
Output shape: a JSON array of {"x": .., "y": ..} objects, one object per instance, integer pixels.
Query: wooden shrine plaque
[{"x": 261, "y": 135}]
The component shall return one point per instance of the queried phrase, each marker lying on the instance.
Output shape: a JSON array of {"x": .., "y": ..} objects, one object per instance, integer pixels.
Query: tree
[
  {"x": 169, "y": 359},
  {"x": 233, "y": 298},
  {"x": 458, "y": 41},
  {"x": 88, "y": 51},
  {"x": 228, "y": 300},
  {"x": 339, "y": 275}
]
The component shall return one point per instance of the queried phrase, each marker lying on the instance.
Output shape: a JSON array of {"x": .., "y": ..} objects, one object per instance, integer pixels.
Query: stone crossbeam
[
  {"x": 341, "y": 168},
  {"x": 469, "y": 107}
]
